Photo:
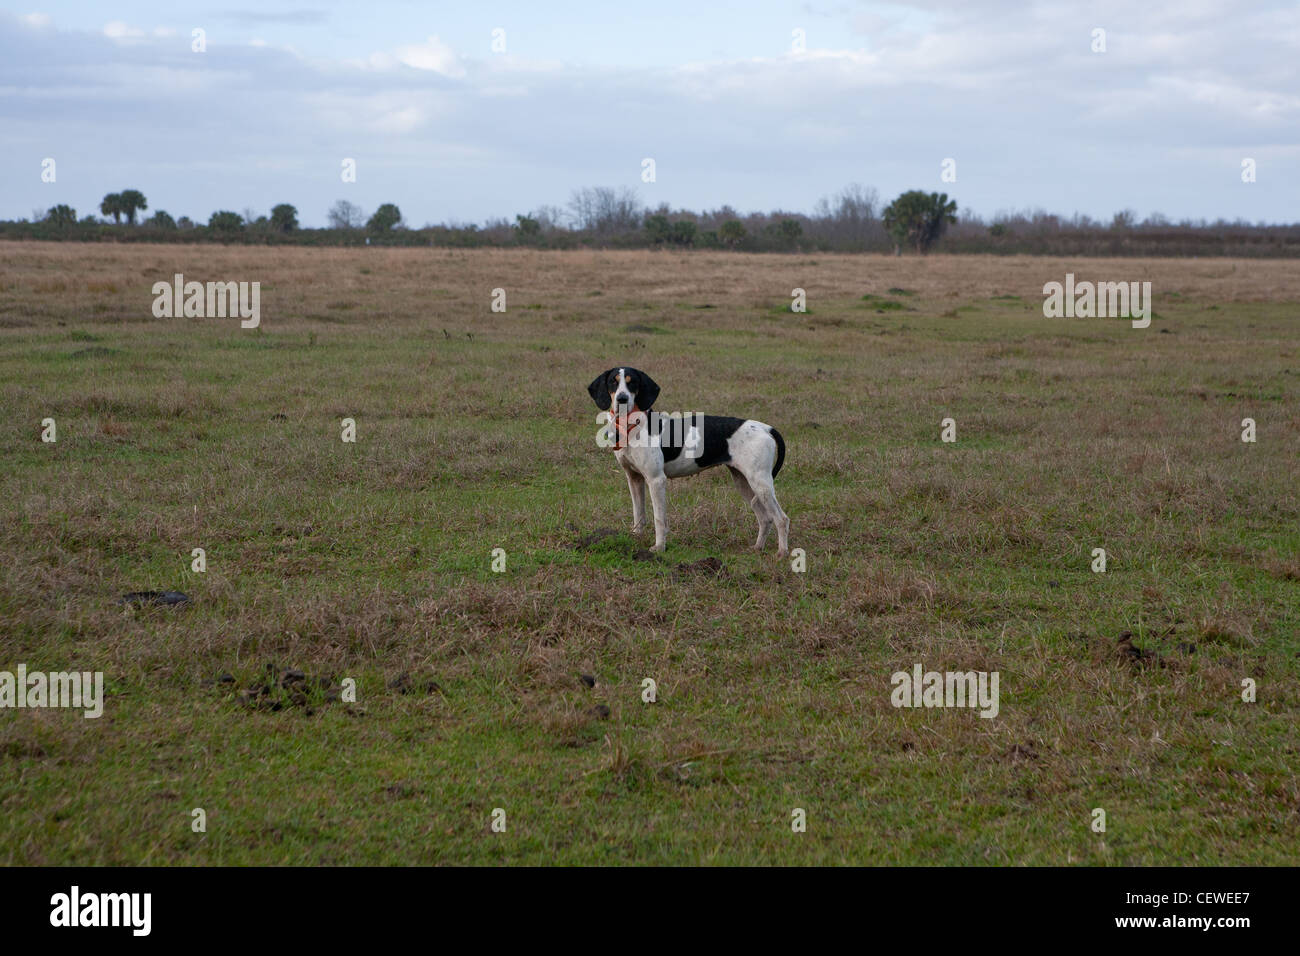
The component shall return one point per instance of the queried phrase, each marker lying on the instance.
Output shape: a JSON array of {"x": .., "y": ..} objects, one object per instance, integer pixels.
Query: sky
[{"x": 460, "y": 112}]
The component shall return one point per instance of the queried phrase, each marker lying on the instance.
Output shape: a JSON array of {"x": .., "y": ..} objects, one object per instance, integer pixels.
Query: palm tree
[
  {"x": 918, "y": 218},
  {"x": 112, "y": 206},
  {"x": 284, "y": 218},
  {"x": 62, "y": 215},
  {"x": 132, "y": 200},
  {"x": 732, "y": 233}
]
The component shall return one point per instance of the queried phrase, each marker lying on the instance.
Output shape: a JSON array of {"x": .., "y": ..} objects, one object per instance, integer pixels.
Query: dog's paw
[
  {"x": 660, "y": 547},
  {"x": 782, "y": 553}
]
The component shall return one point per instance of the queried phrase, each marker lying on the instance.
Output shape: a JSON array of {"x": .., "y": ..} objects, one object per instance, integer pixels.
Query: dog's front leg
[
  {"x": 636, "y": 485},
  {"x": 659, "y": 499}
]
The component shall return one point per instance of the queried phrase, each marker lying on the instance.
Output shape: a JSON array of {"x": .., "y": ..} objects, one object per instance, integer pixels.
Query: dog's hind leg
[
  {"x": 746, "y": 492},
  {"x": 768, "y": 495},
  {"x": 765, "y": 498}
]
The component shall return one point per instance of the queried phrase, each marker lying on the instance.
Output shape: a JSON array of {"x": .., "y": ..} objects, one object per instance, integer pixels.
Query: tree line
[
  {"x": 283, "y": 218},
  {"x": 851, "y": 220}
]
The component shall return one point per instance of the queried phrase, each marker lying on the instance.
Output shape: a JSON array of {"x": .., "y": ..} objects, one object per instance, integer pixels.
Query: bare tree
[
  {"x": 849, "y": 214},
  {"x": 549, "y": 218},
  {"x": 345, "y": 215},
  {"x": 604, "y": 210}
]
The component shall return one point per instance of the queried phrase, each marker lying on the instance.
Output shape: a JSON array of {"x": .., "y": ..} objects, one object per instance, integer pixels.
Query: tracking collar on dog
[{"x": 623, "y": 425}]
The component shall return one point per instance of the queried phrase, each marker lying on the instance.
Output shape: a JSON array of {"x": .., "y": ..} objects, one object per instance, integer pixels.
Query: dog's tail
[{"x": 780, "y": 450}]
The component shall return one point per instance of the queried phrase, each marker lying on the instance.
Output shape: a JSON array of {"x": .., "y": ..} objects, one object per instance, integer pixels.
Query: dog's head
[{"x": 623, "y": 390}]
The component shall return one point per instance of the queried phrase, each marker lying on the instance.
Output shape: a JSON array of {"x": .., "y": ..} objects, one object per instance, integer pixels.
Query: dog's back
[{"x": 725, "y": 441}]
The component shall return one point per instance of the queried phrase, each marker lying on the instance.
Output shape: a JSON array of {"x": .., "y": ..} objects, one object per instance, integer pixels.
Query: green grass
[{"x": 369, "y": 560}]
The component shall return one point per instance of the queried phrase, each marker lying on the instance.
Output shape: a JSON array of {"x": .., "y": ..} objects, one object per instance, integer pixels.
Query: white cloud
[
  {"x": 117, "y": 30},
  {"x": 398, "y": 112},
  {"x": 432, "y": 56},
  {"x": 509, "y": 63}
]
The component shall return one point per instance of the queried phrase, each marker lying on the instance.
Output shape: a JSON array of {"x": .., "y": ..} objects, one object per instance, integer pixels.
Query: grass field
[{"x": 373, "y": 560}]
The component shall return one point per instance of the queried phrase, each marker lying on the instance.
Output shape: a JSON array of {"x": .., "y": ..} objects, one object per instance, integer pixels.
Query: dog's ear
[
  {"x": 599, "y": 391},
  {"x": 646, "y": 392}
]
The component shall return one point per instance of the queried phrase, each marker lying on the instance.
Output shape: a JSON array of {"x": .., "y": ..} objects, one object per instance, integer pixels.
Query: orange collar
[{"x": 623, "y": 425}]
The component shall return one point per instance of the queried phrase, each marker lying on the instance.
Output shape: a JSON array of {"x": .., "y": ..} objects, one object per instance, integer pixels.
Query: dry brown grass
[{"x": 108, "y": 283}]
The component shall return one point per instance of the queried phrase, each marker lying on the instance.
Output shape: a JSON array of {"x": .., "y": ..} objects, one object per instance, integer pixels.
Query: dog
[{"x": 651, "y": 449}]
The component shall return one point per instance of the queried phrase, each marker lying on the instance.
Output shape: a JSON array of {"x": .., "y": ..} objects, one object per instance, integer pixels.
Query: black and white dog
[{"x": 652, "y": 448}]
